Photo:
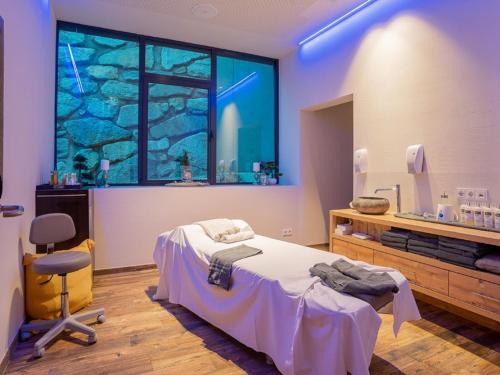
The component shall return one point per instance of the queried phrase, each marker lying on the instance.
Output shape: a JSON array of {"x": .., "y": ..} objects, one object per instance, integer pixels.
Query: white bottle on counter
[
  {"x": 489, "y": 218},
  {"x": 478, "y": 215},
  {"x": 469, "y": 215},
  {"x": 463, "y": 208},
  {"x": 496, "y": 213}
]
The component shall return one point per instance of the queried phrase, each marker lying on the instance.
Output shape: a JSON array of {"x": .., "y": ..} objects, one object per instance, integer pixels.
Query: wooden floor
[{"x": 141, "y": 336}]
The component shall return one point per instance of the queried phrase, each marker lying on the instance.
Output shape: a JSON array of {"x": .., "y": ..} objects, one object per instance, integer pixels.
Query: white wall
[
  {"x": 421, "y": 72},
  {"x": 327, "y": 173},
  {"x": 128, "y": 220},
  {"x": 29, "y": 58}
]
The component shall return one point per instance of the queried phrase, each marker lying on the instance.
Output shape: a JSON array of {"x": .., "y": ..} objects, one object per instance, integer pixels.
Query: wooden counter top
[{"x": 388, "y": 219}]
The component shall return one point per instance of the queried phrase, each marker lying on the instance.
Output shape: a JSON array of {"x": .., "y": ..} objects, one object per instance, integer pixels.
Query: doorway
[{"x": 327, "y": 166}]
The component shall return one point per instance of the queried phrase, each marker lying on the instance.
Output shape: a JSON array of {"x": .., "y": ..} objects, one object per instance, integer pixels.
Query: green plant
[
  {"x": 270, "y": 168},
  {"x": 183, "y": 159}
]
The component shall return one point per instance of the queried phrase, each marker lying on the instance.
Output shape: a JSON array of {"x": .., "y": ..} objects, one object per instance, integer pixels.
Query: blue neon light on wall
[
  {"x": 335, "y": 22},
  {"x": 237, "y": 85}
]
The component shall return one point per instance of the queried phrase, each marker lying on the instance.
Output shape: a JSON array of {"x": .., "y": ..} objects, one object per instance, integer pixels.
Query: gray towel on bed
[
  {"x": 373, "y": 287},
  {"x": 221, "y": 264}
]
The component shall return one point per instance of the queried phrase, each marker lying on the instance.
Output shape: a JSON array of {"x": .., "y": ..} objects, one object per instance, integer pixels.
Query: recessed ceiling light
[{"x": 204, "y": 10}]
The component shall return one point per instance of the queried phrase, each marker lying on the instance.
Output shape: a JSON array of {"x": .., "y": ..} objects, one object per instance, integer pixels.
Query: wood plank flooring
[{"x": 141, "y": 336}]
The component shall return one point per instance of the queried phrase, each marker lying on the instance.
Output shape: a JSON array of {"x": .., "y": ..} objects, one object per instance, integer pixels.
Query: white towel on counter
[{"x": 216, "y": 229}]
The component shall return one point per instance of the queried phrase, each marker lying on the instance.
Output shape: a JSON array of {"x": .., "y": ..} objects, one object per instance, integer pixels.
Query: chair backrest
[{"x": 52, "y": 228}]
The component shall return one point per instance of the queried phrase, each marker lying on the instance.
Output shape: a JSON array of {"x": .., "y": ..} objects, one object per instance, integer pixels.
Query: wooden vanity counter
[{"x": 472, "y": 293}]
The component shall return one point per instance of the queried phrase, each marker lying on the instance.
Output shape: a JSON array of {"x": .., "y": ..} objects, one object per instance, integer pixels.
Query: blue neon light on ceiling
[
  {"x": 335, "y": 22},
  {"x": 237, "y": 85}
]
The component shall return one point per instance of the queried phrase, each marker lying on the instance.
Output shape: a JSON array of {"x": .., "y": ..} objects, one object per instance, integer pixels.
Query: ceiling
[{"x": 263, "y": 27}]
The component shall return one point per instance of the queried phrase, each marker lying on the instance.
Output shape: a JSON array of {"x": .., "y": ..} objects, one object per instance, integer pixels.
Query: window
[
  {"x": 245, "y": 118},
  {"x": 218, "y": 106},
  {"x": 97, "y": 106}
]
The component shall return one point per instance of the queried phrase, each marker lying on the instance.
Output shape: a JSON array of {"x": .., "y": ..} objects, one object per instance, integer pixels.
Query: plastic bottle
[
  {"x": 478, "y": 215},
  {"x": 489, "y": 219},
  {"x": 469, "y": 216},
  {"x": 497, "y": 217},
  {"x": 463, "y": 208}
]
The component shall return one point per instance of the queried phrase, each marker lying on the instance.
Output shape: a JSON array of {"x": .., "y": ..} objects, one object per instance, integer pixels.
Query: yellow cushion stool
[{"x": 44, "y": 301}]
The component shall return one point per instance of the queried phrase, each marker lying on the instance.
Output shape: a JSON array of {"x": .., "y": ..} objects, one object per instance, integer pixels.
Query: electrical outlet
[
  {"x": 481, "y": 195},
  {"x": 464, "y": 194},
  {"x": 287, "y": 232}
]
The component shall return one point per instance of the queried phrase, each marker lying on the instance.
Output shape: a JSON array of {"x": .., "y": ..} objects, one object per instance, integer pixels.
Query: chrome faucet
[{"x": 397, "y": 189}]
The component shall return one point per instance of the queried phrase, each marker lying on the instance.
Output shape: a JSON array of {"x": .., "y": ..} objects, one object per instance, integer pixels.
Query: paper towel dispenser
[{"x": 415, "y": 159}]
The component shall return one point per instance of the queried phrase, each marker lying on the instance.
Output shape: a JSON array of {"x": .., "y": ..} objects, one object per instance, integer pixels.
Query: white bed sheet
[{"x": 274, "y": 305}]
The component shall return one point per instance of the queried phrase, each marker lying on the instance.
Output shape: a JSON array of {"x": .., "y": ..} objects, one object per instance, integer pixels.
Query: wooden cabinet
[
  {"x": 420, "y": 274},
  {"x": 353, "y": 251},
  {"x": 473, "y": 291},
  {"x": 477, "y": 292},
  {"x": 75, "y": 203}
]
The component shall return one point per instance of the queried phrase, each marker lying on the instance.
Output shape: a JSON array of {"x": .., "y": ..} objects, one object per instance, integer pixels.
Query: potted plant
[
  {"x": 185, "y": 166},
  {"x": 271, "y": 170}
]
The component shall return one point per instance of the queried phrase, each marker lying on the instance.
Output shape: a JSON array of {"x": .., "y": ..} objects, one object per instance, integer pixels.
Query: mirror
[{"x": 1, "y": 105}]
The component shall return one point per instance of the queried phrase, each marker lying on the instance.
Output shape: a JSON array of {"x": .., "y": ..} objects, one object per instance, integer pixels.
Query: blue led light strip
[
  {"x": 237, "y": 84},
  {"x": 335, "y": 22}
]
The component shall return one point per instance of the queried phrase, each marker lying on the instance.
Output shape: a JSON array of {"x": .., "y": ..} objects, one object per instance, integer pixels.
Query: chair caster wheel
[
  {"x": 38, "y": 353},
  {"x": 101, "y": 318},
  {"x": 92, "y": 339},
  {"x": 24, "y": 336}
]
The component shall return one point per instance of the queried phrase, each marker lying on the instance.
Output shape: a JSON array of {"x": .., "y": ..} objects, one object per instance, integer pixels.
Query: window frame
[{"x": 146, "y": 77}]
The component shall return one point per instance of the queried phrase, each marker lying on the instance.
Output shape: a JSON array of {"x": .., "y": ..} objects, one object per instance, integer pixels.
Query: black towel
[
  {"x": 474, "y": 248},
  {"x": 424, "y": 237},
  {"x": 428, "y": 245}
]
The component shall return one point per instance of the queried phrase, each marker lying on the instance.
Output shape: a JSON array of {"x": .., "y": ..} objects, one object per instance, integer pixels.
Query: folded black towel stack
[
  {"x": 395, "y": 238},
  {"x": 460, "y": 252},
  {"x": 423, "y": 244}
]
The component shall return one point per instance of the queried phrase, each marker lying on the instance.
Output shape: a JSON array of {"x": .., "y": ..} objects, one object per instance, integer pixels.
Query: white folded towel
[
  {"x": 217, "y": 228},
  {"x": 236, "y": 237}
]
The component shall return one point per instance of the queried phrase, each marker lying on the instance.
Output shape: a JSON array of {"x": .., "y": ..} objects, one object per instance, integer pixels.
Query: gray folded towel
[
  {"x": 477, "y": 249},
  {"x": 424, "y": 237},
  {"x": 456, "y": 259},
  {"x": 490, "y": 262},
  {"x": 387, "y": 238},
  {"x": 452, "y": 250},
  {"x": 345, "y": 277},
  {"x": 396, "y": 245},
  {"x": 426, "y": 244},
  {"x": 397, "y": 233},
  {"x": 422, "y": 250},
  {"x": 221, "y": 264}
]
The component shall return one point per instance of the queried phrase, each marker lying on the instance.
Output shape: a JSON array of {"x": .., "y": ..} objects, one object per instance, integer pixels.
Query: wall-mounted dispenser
[
  {"x": 361, "y": 160},
  {"x": 415, "y": 159}
]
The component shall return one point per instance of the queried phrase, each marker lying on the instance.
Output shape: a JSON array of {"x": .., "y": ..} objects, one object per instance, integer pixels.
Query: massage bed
[{"x": 274, "y": 305}]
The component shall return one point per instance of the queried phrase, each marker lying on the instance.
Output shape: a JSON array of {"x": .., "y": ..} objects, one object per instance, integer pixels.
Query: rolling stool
[{"x": 47, "y": 230}]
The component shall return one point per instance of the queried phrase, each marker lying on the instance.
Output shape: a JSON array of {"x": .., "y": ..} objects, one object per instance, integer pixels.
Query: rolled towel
[
  {"x": 217, "y": 228},
  {"x": 236, "y": 237}
]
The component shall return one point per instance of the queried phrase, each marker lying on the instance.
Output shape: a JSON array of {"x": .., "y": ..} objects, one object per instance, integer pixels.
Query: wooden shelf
[
  {"x": 469, "y": 234},
  {"x": 468, "y": 290}
]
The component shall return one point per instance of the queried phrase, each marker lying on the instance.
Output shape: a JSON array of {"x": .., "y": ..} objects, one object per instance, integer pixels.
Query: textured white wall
[
  {"x": 420, "y": 72},
  {"x": 29, "y": 57}
]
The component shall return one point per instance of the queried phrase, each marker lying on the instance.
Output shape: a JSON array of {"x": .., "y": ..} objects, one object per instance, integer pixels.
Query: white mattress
[{"x": 274, "y": 305}]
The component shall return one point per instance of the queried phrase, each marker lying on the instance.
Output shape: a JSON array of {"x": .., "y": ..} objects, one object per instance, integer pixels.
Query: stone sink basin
[{"x": 370, "y": 205}]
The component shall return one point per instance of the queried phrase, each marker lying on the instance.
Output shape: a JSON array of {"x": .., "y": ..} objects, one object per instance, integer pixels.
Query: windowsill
[{"x": 232, "y": 186}]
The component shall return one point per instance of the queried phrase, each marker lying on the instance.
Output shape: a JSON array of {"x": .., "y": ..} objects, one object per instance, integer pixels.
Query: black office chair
[{"x": 47, "y": 230}]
